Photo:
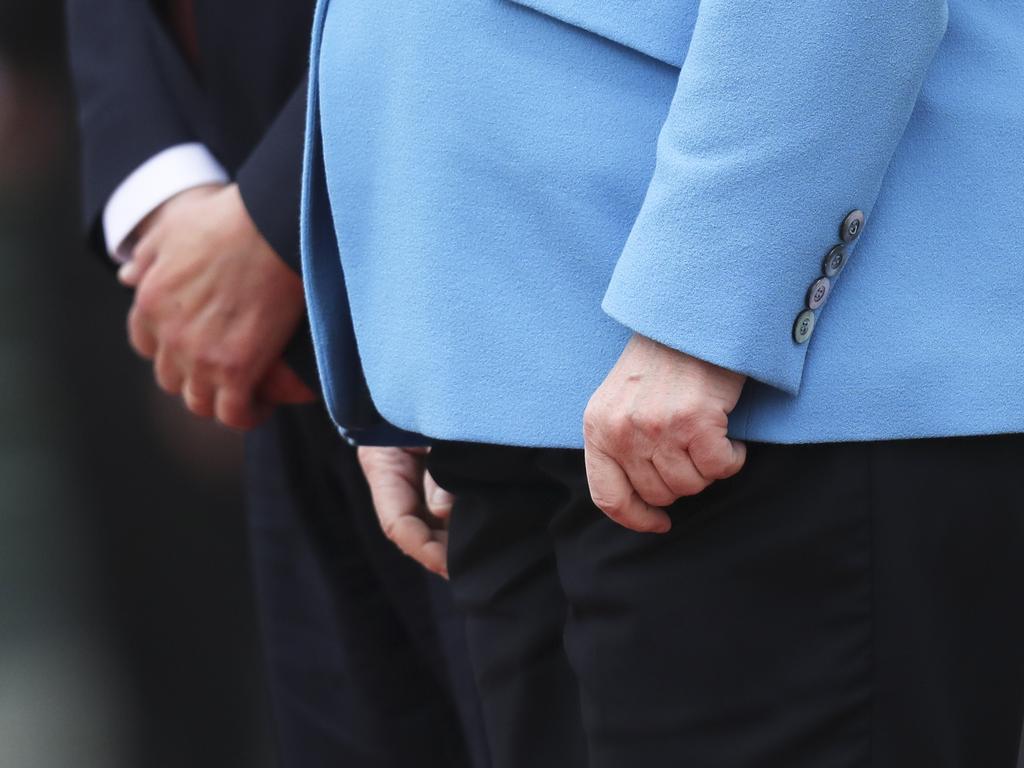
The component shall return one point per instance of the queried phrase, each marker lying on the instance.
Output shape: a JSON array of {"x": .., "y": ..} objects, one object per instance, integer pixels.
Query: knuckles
[
  {"x": 618, "y": 429},
  {"x": 607, "y": 426},
  {"x": 591, "y": 421},
  {"x": 684, "y": 423},
  {"x": 228, "y": 367},
  {"x": 640, "y": 421}
]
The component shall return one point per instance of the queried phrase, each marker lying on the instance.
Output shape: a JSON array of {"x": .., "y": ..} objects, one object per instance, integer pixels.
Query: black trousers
[
  {"x": 366, "y": 656},
  {"x": 845, "y": 605}
]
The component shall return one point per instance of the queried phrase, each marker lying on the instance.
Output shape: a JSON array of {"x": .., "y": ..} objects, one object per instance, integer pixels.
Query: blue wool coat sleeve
[{"x": 785, "y": 118}]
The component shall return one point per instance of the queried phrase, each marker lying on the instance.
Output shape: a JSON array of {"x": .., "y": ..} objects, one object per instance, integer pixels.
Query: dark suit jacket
[{"x": 138, "y": 94}]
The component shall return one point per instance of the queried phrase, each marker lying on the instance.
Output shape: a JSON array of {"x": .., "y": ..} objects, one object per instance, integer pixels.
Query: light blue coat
[{"x": 498, "y": 193}]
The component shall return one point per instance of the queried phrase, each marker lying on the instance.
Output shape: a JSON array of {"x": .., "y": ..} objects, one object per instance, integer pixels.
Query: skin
[
  {"x": 654, "y": 432},
  {"x": 412, "y": 509},
  {"x": 214, "y": 308}
]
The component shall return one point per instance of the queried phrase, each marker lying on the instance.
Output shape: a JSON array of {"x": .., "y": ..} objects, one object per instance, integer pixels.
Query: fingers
[
  {"x": 439, "y": 501},
  {"x": 717, "y": 457},
  {"x": 675, "y": 472},
  {"x": 132, "y": 272},
  {"x": 657, "y": 429},
  {"x": 613, "y": 493},
  {"x": 647, "y": 481},
  {"x": 282, "y": 386},
  {"x": 234, "y": 408},
  {"x": 142, "y": 339},
  {"x": 213, "y": 308},
  {"x": 168, "y": 376},
  {"x": 396, "y": 485},
  {"x": 675, "y": 466},
  {"x": 232, "y": 403},
  {"x": 199, "y": 397},
  {"x": 419, "y": 541}
]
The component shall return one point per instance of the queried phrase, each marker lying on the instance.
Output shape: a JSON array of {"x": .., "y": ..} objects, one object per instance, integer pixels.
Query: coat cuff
[
  {"x": 153, "y": 183},
  {"x": 760, "y": 162}
]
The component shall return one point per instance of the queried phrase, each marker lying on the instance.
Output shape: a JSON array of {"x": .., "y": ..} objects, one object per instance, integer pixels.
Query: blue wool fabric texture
[{"x": 497, "y": 194}]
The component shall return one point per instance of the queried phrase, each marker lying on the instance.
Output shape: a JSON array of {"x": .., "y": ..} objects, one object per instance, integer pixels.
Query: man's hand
[
  {"x": 214, "y": 307},
  {"x": 655, "y": 430},
  {"x": 413, "y": 510}
]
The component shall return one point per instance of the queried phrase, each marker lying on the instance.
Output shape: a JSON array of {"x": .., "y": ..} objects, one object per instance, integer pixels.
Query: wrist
[
  {"x": 185, "y": 196},
  {"x": 712, "y": 380}
]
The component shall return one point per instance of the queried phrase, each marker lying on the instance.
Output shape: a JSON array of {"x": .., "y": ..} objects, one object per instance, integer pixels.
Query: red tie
[{"x": 182, "y": 18}]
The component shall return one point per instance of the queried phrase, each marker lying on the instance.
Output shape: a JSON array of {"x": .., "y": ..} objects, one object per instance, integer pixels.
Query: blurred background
[{"x": 127, "y": 629}]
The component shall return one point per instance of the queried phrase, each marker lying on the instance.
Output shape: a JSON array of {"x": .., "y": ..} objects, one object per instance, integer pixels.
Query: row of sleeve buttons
[{"x": 833, "y": 264}]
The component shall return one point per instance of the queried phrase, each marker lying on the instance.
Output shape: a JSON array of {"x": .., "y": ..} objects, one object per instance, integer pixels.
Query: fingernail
[{"x": 127, "y": 272}]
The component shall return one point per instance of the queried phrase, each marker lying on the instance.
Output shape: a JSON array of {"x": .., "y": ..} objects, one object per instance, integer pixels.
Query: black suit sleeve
[
  {"x": 126, "y": 111},
  {"x": 270, "y": 180}
]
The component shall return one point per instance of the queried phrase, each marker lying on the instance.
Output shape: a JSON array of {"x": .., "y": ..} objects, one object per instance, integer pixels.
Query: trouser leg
[
  {"x": 832, "y": 605},
  {"x": 742, "y": 638},
  {"x": 949, "y": 601},
  {"x": 505, "y": 581},
  {"x": 355, "y": 662}
]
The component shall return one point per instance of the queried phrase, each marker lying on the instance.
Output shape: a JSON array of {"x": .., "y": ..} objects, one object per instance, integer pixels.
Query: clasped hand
[
  {"x": 656, "y": 430},
  {"x": 214, "y": 308}
]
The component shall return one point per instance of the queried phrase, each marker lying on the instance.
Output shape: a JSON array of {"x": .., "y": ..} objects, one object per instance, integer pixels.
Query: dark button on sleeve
[
  {"x": 852, "y": 226},
  {"x": 835, "y": 261},
  {"x": 817, "y": 294},
  {"x": 803, "y": 327}
]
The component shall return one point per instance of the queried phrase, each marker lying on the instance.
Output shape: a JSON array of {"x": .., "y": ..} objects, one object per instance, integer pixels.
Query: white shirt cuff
[{"x": 156, "y": 181}]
